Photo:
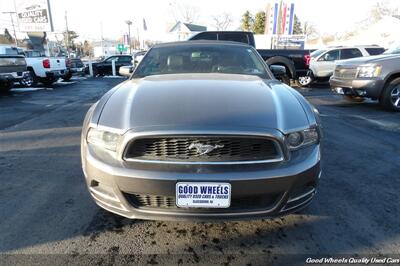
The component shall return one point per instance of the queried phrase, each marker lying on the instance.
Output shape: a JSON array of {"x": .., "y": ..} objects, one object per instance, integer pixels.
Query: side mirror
[
  {"x": 126, "y": 71},
  {"x": 277, "y": 70}
]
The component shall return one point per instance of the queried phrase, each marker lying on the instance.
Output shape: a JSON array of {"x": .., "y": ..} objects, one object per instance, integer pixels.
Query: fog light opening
[
  {"x": 102, "y": 190},
  {"x": 94, "y": 183}
]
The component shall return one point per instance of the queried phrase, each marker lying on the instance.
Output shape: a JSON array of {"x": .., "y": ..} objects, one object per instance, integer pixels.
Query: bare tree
[
  {"x": 184, "y": 12},
  {"x": 383, "y": 9},
  {"x": 309, "y": 29},
  {"x": 222, "y": 21}
]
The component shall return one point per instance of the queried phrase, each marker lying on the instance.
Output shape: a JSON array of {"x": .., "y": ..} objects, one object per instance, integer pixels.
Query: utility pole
[
  {"x": 138, "y": 39},
  {"x": 101, "y": 35},
  {"x": 67, "y": 33},
  {"x": 12, "y": 22},
  {"x": 129, "y": 23}
]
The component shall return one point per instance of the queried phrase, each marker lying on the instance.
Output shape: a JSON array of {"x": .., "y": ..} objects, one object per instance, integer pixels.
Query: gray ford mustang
[{"x": 201, "y": 131}]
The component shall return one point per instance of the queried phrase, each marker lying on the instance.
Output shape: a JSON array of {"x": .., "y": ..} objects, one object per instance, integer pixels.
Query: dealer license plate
[{"x": 203, "y": 195}]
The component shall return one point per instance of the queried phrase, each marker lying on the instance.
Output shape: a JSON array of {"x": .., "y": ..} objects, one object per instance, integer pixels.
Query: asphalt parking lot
[{"x": 45, "y": 207}]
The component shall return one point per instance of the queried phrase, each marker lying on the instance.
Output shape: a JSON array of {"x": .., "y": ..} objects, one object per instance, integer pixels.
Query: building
[
  {"x": 104, "y": 48},
  {"x": 182, "y": 31}
]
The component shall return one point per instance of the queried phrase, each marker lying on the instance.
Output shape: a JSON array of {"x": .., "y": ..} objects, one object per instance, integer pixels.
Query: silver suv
[{"x": 376, "y": 77}]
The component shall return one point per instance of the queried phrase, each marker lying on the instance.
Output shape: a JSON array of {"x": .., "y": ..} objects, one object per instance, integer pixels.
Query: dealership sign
[
  {"x": 34, "y": 15},
  {"x": 288, "y": 41}
]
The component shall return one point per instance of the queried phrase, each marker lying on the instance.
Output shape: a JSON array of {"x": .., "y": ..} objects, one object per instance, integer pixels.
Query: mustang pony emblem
[{"x": 202, "y": 149}]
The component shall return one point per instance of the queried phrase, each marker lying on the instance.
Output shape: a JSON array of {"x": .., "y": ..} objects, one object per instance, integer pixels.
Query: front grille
[
  {"x": 180, "y": 149},
  {"x": 255, "y": 202},
  {"x": 345, "y": 73}
]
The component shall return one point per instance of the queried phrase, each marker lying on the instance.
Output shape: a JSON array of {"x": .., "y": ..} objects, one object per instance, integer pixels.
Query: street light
[{"x": 129, "y": 23}]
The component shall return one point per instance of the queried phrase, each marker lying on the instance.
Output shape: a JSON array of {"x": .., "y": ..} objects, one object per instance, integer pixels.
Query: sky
[{"x": 91, "y": 17}]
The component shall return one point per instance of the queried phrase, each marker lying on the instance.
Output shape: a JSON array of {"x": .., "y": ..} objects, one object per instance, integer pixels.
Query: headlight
[
  {"x": 104, "y": 139},
  {"x": 299, "y": 139},
  {"x": 369, "y": 71}
]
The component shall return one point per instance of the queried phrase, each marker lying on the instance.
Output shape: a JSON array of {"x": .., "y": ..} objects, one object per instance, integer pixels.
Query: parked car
[
  {"x": 296, "y": 61},
  {"x": 12, "y": 67},
  {"x": 104, "y": 67},
  {"x": 127, "y": 70},
  {"x": 42, "y": 68},
  {"x": 75, "y": 67},
  {"x": 322, "y": 63},
  {"x": 376, "y": 77},
  {"x": 138, "y": 57},
  {"x": 202, "y": 130}
]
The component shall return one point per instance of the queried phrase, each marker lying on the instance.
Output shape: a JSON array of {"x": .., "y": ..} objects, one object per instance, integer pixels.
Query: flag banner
[{"x": 279, "y": 18}]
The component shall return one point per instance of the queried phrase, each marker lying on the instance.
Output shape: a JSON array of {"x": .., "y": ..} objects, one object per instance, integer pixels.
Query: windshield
[
  {"x": 317, "y": 53},
  {"x": 395, "y": 49},
  {"x": 34, "y": 54},
  {"x": 11, "y": 51},
  {"x": 201, "y": 58}
]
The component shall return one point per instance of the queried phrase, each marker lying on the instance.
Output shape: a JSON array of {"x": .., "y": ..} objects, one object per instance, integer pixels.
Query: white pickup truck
[{"x": 44, "y": 69}]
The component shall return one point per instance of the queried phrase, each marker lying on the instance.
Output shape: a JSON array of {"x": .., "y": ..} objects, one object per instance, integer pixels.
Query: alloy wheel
[
  {"x": 304, "y": 81},
  {"x": 395, "y": 96},
  {"x": 27, "y": 81}
]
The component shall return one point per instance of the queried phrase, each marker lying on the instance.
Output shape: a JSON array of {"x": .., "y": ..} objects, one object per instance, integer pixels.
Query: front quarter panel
[
  {"x": 96, "y": 113},
  {"x": 309, "y": 109},
  {"x": 290, "y": 106}
]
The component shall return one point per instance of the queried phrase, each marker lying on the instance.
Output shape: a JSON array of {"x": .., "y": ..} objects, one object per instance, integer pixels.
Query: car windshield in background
[
  {"x": 201, "y": 58},
  {"x": 317, "y": 53},
  {"x": 32, "y": 54},
  {"x": 11, "y": 51},
  {"x": 393, "y": 50}
]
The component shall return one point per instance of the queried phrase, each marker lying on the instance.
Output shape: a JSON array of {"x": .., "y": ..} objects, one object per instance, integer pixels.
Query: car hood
[
  {"x": 218, "y": 101},
  {"x": 367, "y": 60}
]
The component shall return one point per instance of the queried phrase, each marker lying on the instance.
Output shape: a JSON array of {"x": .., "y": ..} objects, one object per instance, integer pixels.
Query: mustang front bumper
[{"x": 147, "y": 191}]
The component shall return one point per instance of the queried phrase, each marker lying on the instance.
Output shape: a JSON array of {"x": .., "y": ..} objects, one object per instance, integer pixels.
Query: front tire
[
  {"x": 67, "y": 77},
  {"x": 27, "y": 81},
  {"x": 390, "y": 98},
  {"x": 95, "y": 72},
  {"x": 31, "y": 81}
]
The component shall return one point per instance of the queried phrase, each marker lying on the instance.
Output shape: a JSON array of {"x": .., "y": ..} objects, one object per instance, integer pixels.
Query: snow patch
[
  {"x": 26, "y": 89},
  {"x": 115, "y": 77},
  {"x": 61, "y": 82}
]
